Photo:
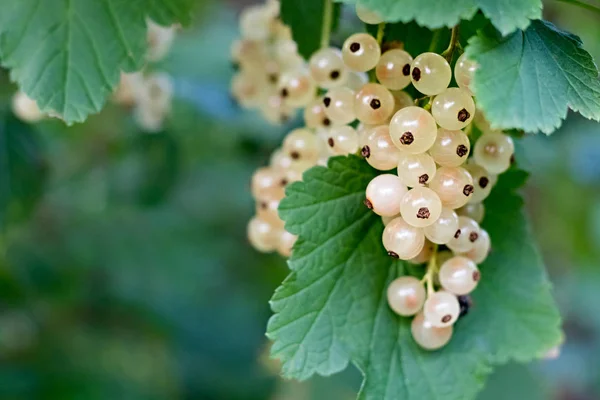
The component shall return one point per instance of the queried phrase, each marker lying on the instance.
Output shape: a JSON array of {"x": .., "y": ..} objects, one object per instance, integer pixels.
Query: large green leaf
[
  {"x": 332, "y": 308},
  {"x": 530, "y": 79},
  {"x": 68, "y": 54},
  {"x": 506, "y": 15},
  {"x": 306, "y": 20}
]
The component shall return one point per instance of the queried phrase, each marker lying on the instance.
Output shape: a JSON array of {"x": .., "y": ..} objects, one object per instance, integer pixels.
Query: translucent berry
[
  {"x": 275, "y": 111},
  {"x": 384, "y": 193},
  {"x": 475, "y": 211},
  {"x": 266, "y": 210},
  {"x": 342, "y": 140},
  {"x": 453, "y": 108},
  {"x": 297, "y": 88},
  {"x": 483, "y": 182},
  {"x": 356, "y": 80},
  {"x": 247, "y": 89},
  {"x": 420, "y": 207},
  {"x": 361, "y": 52},
  {"x": 262, "y": 235},
  {"x": 402, "y": 240},
  {"x": 413, "y": 130},
  {"x": 301, "y": 145},
  {"x": 327, "y": 68},
  {"x": 416, "y": 169},
  {"x": 280, "y": 160},
  {"x": 393, "y": 69},
  {"x": 466, "y": 236},
  {"x": 493, "y": 151},
  {"x": 454, "y": 185},
  {"x": 402, "y": 99},
  {"x": 482, "y": 248},
  {"x": 441, "y": 309},
  {"x": 427, "y": 336},
  {"x": 459, "y": 275},
  {"x": 25, "y": 108},
  {"x": 406, "y": 296},
  {"x": 266, "y": 182},
  {"x": 430, "y": 73},
  {"x": 367, "y": 16},
  {"x": 374, "y": 104},
  {"x": 464, "y": 71},
  {"x": 451, "y": 148},
  {"x": 255, "y": 23},
  {"x": 339, "y": 105},
  {"x": 314, "y": 115},
  {"x": 378, "y": 149},
  {"x": 444, "y": 228},
  {"x": 286, "y": 243}
]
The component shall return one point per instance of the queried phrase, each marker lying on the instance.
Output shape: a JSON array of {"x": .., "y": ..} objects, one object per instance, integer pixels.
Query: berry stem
[
  {"x": 380, "y": 33},
  {"x": 327, "y": 23},
  {"x": 449, "y": 52},
  {"x": 435, "y": 40},
  {"x": 431, "y": 271}
]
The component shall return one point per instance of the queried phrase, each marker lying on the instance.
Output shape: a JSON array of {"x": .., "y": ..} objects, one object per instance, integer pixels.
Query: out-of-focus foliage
[{"x": 125, "y": 271}]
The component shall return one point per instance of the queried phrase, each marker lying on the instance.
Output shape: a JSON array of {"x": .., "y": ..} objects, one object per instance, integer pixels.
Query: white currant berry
[
  {"x": 416, "y": 169},
  {"x": 356, "y": 80},
  {"x": 248, "y": 53},
  {"x": 482, "y": 248},
  {"x": 483, "y": 182},
  {"x": 286, "y": 243},
  {"x": 413, "y": 130},
  {"x": 297, "y": 88},
  {"x": 327, "y": 68},
  {"x": 464, "y": 71},
  {"x": 402, "y": 100},
  {"x": 246, "y": 89},
  {"x": 475, "y": 211},
  {"x": 25, "y": 108},
  {"x": 255, "y": 23},
  {"x": 301, "y": 145},
  {"x": 428, "y": 336},
  {"x": 262, "y": 235},
  {"x": 156, "y": 92},
  {"x": 453, "y": 108},
  {"x": 444, "y": 228},
  {"x": 454, "y": 185},
  {"x": 297, "y": 169},
  {"x": 374, "y": 104},
  {"x": 466, "y": 236},
  {"x": 266, "y": 210},
  {"x": 266, "y": 182},
  {"x": 342, "y": 140},
  {"x": 451, "y": 148},
  {"x": 361, "y": 52},
  {"x": 393, "y": 69},
  {"x": 275, "y": 111},
  {"x": 402, "y": 240},
  {"x": 406, "y": 296},
  {"x": 129, "y": 85},
  {"x": 420, "y": 207},
  {"x": 280, "y": 160},
  {"x": 379, "y": 150},
  {"x": 430, "y": 73},
  {"x": 384, "y": 193},
  {"x": 339, "y": 105},
  {"x": 459, "y": 275},
  {"x": 441, "y": 309},
  {"x": 314, "y": 115},
  {"x": 494, "y": 151},
  {"x": 368, "y": 16},
  {"x": 159, "y": 40}
]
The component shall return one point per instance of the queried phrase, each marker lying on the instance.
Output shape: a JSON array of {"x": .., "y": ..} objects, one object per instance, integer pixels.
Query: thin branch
[
  {"x": 327, "y": 23},
  {"x": 380, "y": 33},
  {"x": 449, "y": 52}
]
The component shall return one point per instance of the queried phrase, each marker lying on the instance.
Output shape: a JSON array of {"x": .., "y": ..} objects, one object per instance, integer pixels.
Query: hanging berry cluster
[{"x": 432, "y": 206}]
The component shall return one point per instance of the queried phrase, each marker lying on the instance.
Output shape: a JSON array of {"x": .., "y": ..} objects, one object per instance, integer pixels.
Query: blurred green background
[{"x": 125, "y": 271}]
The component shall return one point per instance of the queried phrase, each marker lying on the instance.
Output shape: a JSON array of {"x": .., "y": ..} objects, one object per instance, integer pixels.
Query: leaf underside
[{"x": 332, "y": 308}]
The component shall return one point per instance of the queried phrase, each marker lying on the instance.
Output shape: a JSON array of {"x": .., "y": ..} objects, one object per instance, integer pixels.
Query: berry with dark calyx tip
[
  {"x": 459, "y": 275},
  {"x": 463, "y": 243},
  {"x": 343, "y": 140},
  {"x": 493, "y": 151},
  {"x": 420, "y": 207},
  {"x": 430, "y": 73},
  {"x": 451, "y": 148},
  {"x": 453, "y": 109},
  {"x": 384, "y": 192},
  {"x": 413, "y": 130},
  {"x": 365, "y": 152},
  {"x": 416, "y": 169},
  {"x": 327, "y": 68},
  {"x": 382, "y": 154},
  {"x": 361, "y": 52},
  {"x": 339, "y": 105},
  {"x": 404, "y": 240},
  {"x": 441, "y": 309},
  {"x": 374, "y": 104},
  {"x": 444, "y": 228},
  {"x": 393, "y": 69},
  {"x": 454, "y": 185}
]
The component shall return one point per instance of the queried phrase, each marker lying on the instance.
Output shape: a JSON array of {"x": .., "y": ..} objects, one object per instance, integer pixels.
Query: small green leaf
[
  {"x": 332, "y": 308},
  {"x": 305, "y": 18},
  {"x": 506, "y": 15},
  {"x": 530, "y": 79},
  {"x": 68, "y": 54}
]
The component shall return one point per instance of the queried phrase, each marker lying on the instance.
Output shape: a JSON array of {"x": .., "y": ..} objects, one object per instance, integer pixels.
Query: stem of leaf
[
  {"x": 449, "y": 52},
  {"x": 431, "y": 271},
  {"x": 327, "y": 23},
  {"x": 581, "y": 4}
]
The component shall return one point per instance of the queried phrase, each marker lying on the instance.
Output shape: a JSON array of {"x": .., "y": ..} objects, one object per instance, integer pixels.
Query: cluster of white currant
[{"x": 149, "y": 94}]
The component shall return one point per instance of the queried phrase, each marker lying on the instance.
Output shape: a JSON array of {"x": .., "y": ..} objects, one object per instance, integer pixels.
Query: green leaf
[
  {"x": 23, "y": 169},
  {"x": 68, "y": 54},
  {"x": 530, "y": 79},
  {"x": 506, "y": 15},
  {"x": 305, "y": 18},
  {"x": 332, "y": 308}
]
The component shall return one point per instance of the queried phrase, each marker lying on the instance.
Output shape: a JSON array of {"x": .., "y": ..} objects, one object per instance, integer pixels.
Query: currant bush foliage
[
  {"x": 529, "y": 80},
  {"x": 506, "y": 15},
  {"x": 67, "y": 54},
  {"x": 332, "y": 308}
]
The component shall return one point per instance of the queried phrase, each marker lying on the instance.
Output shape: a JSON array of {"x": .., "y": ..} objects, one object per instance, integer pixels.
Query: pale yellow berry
[{"x": 406, "y": 296}]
